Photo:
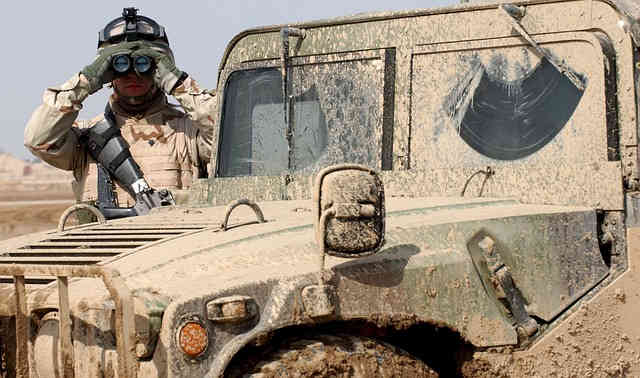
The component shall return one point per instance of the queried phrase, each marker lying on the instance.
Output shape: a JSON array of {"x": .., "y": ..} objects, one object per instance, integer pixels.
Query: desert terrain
[{"x": 32, "y": 196}]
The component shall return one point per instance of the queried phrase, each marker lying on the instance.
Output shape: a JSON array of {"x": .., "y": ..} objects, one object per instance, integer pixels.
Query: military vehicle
[{"x": 448, "y": 192}]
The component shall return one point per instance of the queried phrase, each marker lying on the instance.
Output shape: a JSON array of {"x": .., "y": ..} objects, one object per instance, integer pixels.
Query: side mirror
[{"x": 350, "y": 212}]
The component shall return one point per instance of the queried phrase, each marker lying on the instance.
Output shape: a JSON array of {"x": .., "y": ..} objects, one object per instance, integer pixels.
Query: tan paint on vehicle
[{"x": 571, "y": 199}]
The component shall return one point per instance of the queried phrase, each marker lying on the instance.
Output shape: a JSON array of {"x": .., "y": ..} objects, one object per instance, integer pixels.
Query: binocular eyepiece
[{"x": 124, "y": 63}]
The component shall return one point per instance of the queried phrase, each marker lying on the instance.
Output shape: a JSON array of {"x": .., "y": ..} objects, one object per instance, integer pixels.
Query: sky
[{"x": 45, "y": 43}]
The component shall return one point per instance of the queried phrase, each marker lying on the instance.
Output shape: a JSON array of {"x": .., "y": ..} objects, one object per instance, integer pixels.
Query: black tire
[{"x": 334, "y": 356}]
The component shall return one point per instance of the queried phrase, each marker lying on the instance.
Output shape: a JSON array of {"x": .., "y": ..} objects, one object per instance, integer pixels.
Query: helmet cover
[{"x": 131, "y": 27}]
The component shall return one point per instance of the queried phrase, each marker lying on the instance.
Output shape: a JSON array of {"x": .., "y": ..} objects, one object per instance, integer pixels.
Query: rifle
[{"x": 108, "y": 148}]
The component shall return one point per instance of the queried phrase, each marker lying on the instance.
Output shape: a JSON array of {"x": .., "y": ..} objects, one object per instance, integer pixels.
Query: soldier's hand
[
  {"x": 99, "y": 72},
  {"x": 166, "y": 75}
]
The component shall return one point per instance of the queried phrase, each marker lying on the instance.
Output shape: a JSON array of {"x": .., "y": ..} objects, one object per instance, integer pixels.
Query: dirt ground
[{"x": 25, "y": 212}]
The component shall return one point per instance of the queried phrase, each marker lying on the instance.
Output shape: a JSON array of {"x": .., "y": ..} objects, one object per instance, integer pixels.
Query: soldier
[{"x": 172, "y": 147}]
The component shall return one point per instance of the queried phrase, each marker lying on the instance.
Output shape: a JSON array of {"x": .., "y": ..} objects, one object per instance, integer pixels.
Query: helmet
[
  {"x": 129, "y": 28},
  {"x": 132, "y": 27}
]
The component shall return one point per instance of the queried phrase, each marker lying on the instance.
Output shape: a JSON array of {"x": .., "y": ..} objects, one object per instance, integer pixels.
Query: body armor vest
[{"x": 160, "y": 144}]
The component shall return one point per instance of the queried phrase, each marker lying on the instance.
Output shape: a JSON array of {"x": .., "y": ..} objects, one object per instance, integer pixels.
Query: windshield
[
  {"x": 324, "y": 131},
  {"x": 254, "y": 132}
]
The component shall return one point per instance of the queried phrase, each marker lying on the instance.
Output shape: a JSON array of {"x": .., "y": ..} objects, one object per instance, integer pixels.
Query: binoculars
[{"x": 124, "y": 63}]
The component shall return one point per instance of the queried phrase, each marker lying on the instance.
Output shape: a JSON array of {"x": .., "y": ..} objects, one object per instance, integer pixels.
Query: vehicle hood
[
  {"x": 551, "y": 251},
  {"x": 206, "y": 258}
]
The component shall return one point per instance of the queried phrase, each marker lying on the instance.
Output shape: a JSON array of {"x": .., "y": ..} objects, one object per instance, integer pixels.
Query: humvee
[{"x": 448, "y": 192}]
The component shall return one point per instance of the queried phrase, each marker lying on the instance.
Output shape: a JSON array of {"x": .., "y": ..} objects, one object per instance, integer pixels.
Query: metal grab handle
[
  {"x": 65, "y": 215},
  {"x": 236, "y": 203}
]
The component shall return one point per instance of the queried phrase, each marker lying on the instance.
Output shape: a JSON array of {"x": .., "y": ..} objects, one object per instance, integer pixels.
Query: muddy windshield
[{"x": 254, "y": 133}]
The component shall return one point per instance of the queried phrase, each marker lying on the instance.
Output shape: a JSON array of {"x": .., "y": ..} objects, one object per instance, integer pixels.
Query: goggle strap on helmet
[{"x": 133, "y": 30}]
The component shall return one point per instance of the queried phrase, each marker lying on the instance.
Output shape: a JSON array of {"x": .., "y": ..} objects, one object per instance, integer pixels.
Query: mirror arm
[{"x": 322, "y": 227}]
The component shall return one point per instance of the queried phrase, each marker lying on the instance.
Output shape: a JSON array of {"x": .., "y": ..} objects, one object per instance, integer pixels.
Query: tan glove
[{"x": 166, "y": 75}]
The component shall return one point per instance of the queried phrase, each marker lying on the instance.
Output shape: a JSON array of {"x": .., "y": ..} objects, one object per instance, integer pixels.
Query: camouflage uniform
[{"x": 170, "y": 146}]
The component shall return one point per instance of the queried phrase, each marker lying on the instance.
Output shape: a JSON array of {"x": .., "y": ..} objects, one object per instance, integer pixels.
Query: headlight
[{"x": 193, "y": 338}]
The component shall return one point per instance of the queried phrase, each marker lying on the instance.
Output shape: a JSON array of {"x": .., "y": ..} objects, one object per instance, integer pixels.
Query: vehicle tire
[{"x": 335, "y": 356}]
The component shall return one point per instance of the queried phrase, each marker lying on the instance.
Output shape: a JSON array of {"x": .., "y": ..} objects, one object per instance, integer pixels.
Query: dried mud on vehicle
[{"x": 450, "y": 192}]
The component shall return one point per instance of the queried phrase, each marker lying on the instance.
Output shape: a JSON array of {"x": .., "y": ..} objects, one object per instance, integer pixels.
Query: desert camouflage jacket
[{"x": 171, "y": 145}]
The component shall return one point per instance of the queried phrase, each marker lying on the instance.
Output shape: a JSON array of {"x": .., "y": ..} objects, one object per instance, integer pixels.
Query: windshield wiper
[{"x": 287, "y": 101}]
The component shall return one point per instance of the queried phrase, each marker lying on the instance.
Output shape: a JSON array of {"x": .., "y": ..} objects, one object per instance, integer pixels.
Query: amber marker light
[{"x": 193, "y": 339}]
